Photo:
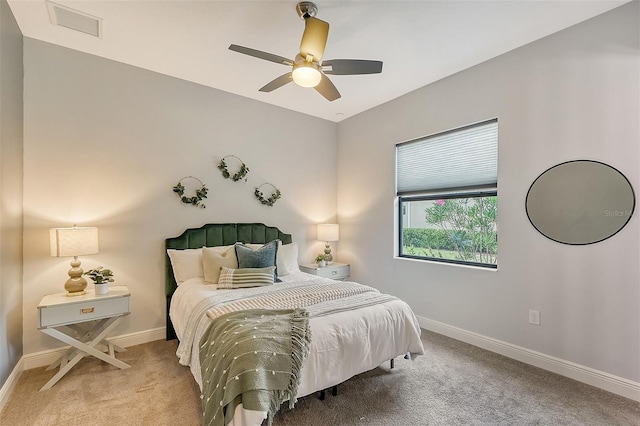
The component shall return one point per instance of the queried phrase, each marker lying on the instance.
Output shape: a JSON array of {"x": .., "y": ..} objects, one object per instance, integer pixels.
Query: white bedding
[{"x": 343, "y": 344}]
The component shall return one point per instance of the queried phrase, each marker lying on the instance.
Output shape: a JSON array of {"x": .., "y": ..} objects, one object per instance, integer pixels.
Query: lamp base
[
  {"x": 75, "y": 286},
  {"x": 76, "y": 283},
  {"x": 327, "y": 251}
]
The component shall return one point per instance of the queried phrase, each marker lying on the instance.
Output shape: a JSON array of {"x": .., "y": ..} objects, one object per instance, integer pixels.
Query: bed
[{"x": 343, "y": 342}]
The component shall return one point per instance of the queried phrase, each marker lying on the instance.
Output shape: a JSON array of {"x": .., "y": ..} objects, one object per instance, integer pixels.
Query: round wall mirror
[{"x": 580, "y": 202}]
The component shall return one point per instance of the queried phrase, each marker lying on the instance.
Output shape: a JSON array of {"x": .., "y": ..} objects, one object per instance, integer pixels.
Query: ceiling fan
[{"x": 308, "y": 69}]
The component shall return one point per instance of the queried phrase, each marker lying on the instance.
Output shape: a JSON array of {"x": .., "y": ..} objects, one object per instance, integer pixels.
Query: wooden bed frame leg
[
  {"x": 392, "y": 362},
  {"x": 322, "y": 394},
  {"x": 334, "y": 390}
]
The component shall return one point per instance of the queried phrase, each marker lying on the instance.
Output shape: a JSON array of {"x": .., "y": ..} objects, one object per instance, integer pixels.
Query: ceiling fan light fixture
[
  {"x": 307, "y": 69},
  {"x": 306, "y": 75}
]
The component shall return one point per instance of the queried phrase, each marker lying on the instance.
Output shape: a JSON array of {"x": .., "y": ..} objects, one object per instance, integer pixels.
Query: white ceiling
[{"x": 418, "y": 41}]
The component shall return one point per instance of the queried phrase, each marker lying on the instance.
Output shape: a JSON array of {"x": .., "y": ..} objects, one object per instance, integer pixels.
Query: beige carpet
[{"x": 453, "y": 384}]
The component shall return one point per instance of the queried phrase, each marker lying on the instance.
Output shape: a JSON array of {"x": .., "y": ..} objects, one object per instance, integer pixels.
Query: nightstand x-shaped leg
[
  {"x": 84, "y": 336},
  {"x": 84, "y": 348}
]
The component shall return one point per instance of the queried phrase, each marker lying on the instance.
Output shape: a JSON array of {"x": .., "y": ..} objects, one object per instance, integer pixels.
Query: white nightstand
[
  {"x": 103, "y": 312},
  {"x": 336, "y": 271}
]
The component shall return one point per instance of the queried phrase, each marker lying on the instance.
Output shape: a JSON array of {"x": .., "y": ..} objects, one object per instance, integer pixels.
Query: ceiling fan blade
[
  {"x": 314, "y": 38},
  {"x": 278, "y": 82},
  {"x": 261, "y": 55},
  {"x": 351, "y": 66},
  {"x": 327, "y": 89}
]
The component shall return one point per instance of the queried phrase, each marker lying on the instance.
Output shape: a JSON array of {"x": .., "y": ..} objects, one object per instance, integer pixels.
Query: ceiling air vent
[{"x": 74, "y": 19}]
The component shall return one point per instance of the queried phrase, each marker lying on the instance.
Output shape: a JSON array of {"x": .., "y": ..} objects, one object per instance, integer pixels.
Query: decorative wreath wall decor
[
  {"x": 275, "y": 195},
  {"x": 196, "y": 200},
  {"x": 239, "y": 175}
]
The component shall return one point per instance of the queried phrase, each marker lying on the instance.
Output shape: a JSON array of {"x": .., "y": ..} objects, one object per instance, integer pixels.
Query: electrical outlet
[{"x": 534, "y": 317}]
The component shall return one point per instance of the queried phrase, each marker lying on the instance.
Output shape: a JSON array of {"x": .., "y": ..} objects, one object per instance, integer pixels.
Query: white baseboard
[
  {"x": 10, "y": 383},
  {"x": 600, "y": 379},
  {"x": 140, "y": 337},
  {"x": 44, "y": 358}
]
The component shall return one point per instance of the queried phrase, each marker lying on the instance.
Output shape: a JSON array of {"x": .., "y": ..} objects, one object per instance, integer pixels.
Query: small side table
[
  {"x": 57, "y": 312},
  {"x": 335, "y": 271}
]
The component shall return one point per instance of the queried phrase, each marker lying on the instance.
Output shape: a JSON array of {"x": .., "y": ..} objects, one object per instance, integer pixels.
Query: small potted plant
[
  {"x": 321, "y": 259},
  {"x": 101, "y": 278}
]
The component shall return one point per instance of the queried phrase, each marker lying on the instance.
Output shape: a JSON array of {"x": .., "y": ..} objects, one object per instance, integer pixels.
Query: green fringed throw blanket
[{"x": 253, "y": 357}]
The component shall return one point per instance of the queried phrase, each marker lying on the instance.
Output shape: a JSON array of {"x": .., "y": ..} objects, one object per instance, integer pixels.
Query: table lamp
[
  {"x": 328, "y": 232},
  {"x": 75, "y": 241}
]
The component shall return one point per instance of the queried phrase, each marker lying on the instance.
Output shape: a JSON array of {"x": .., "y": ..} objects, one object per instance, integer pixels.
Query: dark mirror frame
[{"x": 553, "y": 202}]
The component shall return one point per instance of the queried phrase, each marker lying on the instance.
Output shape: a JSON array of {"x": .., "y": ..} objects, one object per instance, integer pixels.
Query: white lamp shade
[
  {"x": 328, "y": 232},
  {"x": 76, "y": 241}
]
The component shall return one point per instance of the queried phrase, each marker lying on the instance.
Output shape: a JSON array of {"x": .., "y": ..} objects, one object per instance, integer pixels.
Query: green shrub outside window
[{"x": 457, "y": 230}]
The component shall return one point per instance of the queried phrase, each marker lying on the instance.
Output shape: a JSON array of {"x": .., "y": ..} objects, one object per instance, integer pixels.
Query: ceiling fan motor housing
[{"x": 306, "y": 9}]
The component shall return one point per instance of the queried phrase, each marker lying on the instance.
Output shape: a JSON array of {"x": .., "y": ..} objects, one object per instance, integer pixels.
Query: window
[{"x": 447, "y": 196}]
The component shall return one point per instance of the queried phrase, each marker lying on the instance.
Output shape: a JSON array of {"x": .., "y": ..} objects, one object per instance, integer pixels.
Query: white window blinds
[{"x": 459, "y": 160}]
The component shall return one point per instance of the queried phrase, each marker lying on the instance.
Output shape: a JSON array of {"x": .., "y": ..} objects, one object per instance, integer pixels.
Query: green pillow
[
  {"x": 245, "y": 277},
  {"x": 262, "y": 257}
]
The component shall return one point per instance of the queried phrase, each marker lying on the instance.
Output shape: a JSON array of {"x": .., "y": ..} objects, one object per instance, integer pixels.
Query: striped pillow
[{"x": 245, "y": 277}]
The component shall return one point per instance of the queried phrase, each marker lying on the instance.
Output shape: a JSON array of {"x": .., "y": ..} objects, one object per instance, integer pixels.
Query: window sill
[{"x": 436, "y": 262}]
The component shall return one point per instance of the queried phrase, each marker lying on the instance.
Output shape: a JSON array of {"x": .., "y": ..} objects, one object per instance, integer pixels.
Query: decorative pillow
[
  {"x": 186, "y": 264},
  {"x": 246, "y": 277},
  {"x": 287, "y": 259},
  {"x": 262, "y": 257},
  {"x": 213, "y": 258}
]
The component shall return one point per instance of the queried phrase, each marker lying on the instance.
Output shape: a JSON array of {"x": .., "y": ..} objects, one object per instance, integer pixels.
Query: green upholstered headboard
[{"x": 213, "y": 235}]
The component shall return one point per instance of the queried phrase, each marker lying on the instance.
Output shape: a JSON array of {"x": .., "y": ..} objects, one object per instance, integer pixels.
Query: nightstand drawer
[
  {"x": 83, "y": 311},
  {"x": 336, "y": 273}
]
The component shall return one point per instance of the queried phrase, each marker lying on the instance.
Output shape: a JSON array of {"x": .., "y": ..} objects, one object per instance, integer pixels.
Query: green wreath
[
  {"x": 196, "y": 200},
  {"x": 239, "y": 175},
  {"x": 275, "y": 196}
]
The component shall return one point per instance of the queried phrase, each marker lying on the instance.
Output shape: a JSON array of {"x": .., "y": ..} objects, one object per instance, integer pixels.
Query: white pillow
[
  {"x": 186, "y": 264},
  {"x": 287, "y": 259},
  {"x": 213, "y": 258}
]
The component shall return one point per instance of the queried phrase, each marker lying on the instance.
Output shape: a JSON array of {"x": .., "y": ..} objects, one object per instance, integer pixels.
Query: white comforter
[{"x": 343, "y": 344}]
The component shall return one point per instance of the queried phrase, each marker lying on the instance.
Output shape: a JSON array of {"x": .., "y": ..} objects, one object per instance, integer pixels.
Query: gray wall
[
  {"x": 11, "y": 122},
  {"x": 104, "y": 145},
  {"x": 572, "y": 95}
]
